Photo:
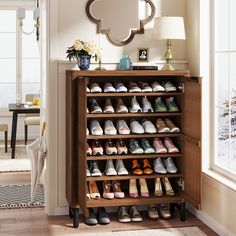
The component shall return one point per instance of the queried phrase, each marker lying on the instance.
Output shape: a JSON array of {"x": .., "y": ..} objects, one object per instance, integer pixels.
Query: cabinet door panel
[
  {"x": 82, "y": 125},
  {"x": 191, "y": 140}
]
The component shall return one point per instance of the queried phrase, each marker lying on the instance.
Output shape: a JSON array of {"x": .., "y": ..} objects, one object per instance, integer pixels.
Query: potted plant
[{"x": 82, "y": 51}]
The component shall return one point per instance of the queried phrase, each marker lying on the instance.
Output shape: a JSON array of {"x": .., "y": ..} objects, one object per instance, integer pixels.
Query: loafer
[
  {"x": 123, "y": 216},
  {"x": 102, "y": 216},
  {"x": 147, "y": 170},
  {"x": 136, "y": 170},
  {"x": 91, "y": 219}
]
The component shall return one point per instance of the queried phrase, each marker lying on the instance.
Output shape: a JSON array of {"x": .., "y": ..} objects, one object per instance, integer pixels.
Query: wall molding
[{"x": 209, "y": 221}]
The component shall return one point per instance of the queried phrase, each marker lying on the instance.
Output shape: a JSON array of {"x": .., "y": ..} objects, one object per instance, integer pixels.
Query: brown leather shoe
[
  {"x": 93, "y": 189},
  {"x": 147, "y": 170},
  {"x": 136, "y": 168},
  {"x": 121, "y": 107},
  {"x": 107, "y": 190}
]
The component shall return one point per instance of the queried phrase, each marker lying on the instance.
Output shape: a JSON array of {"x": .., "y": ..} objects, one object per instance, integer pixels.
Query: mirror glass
[{"x": 120, "y": 20}]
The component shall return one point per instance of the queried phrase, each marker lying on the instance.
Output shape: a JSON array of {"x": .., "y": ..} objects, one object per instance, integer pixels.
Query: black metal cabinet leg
[
  {"x": 75, "y": 217},
  {"x": 14, "y": 129},
  {"x": 71, "y": 212},
  {"x": 182, "y": 212}
]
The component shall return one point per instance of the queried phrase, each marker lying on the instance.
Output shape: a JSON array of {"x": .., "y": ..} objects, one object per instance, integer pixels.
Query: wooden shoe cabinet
[{"x": 186, "y": 182}]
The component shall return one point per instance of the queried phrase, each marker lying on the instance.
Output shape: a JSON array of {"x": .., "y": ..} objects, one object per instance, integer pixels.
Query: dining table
[{"x": 19, "y": 109}]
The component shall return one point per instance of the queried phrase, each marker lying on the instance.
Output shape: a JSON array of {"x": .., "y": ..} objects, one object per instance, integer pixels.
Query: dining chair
[
  {"x": 31, "y": 119},
  {"x": 4, "y": 128}
]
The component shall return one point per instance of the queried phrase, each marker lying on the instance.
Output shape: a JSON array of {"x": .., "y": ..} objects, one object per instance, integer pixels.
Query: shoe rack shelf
[
  {"x": 133, "y": 115},
  {"x": 148, "y": 94},
  {"x": 186, "y": 182},
  {"x": 129, "y": 136},
  {"x": 143, "y": 156}
]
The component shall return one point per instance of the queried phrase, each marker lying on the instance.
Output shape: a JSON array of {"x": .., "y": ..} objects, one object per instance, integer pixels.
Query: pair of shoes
[
  {"x": 167, "y": 186},
  {"x": 166, "y": 126},
  {"x": 96, "y": 129},
  {"x": 170, "y": 105},
  {"x": 133, "y": 190},
  {"x": 118, "y": 87},
  {"x": 120, "y": 168},
  {"x": 146, "y": 168},
  {"x": 135, "y": 107},
  {"x": 162, "y": 211},
  {"x": 92, "y": 191},
  {"x": 167, "y": 147},
  {"x": 110, "y": 149},
  {"x": 102, "y": 217},
  {"x": 133, "y": 215},
  {"x": 107, "y": 191},
  {"x": 146, "y": 127},
  {"x": 145, "y": 147},
  {"x": 120, "y": 106},
  {"x": 162, "y": 167}
]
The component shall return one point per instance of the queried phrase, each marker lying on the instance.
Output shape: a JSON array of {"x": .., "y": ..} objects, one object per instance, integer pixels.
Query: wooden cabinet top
[{"x": 95, "y": 73}]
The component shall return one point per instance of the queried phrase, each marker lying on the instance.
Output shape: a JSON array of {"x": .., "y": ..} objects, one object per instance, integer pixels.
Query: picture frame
[{"x": 143, "y": 54}]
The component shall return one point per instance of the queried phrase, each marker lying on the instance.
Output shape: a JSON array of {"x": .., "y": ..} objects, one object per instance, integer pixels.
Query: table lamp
[{"x": 168, "y": 28}]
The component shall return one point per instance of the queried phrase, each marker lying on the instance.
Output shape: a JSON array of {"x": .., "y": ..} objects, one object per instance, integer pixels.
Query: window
[
  {"x": 19, "y": 58},
  {"x": 224, "y": 73}
]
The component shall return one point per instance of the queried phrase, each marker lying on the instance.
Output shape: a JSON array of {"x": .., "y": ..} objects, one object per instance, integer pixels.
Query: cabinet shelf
[
  {"x": 129, "y": 136},
  {"x": 127, "y": 201},
  {"x": 129, "y": 156},
  {"x": 127, "y": 177},
  {"x": 162, "y": 94},
  {"x": 132, "y": 115}
]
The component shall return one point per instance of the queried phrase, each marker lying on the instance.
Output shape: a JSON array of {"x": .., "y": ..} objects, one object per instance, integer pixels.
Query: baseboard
[{"x": 211, "y": 222}]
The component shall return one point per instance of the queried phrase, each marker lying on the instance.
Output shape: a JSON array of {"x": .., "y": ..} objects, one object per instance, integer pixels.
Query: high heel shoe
[
  {"x": 168, "y": 188},
  {"x": 158, "y": 188},
  {"x": 133, "y": 191},
  {"x": 93, "y": 190},
  {"x": 143, "y": 188}
]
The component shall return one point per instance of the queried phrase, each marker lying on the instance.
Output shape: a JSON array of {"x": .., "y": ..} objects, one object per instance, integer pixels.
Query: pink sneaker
[
  {"x": 158, "y": 146},
  {"x": 170, "y": 146}
]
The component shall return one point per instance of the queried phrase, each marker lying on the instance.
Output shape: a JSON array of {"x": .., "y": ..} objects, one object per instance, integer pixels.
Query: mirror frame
[{"x": 108, "y": 32}]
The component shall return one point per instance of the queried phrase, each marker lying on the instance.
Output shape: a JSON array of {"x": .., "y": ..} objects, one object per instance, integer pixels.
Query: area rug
[
  {"x": 182, "y": 231},
  {"x": 20, "y": 163},
  {"x": 18, "y": 196}
]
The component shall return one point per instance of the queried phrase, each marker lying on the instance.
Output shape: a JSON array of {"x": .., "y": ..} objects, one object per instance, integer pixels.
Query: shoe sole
[
  {"x": 149, "y": 151},
  {"x": 122, "y": 153},
  {"x": 137, "y": 220},
  {"x": 170, "y": 89},
  {"x": 96, "y": 175},
  {"x": 124, "y": 132},
  {"x": 124, "y": 220}
]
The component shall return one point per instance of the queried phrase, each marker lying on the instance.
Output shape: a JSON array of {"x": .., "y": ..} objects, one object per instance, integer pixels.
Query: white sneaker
[
  {"x": 95, "y": 128},
  {"x": 158, "y": 166},
  {"x": 169, "y": 165},
  {"x": 94, "y": 170},
  {"x": 110, "y": 169},
  {"x": 136, "y": 127},
  {"x": 145, "y": 87},
  {"x": 95, "y": 88},
  {"x": 169, "y": 87},
  {"x": 147, "y": 107},
  {"x": 120, "y": 88},
  {"x": 156, "y": 87},
  {"x": 109, "y": 128},
  {"x": 135, "y": 106},
  {"x": 148, "y": 127},
  {"x": 122, "y": 127},
  {"x": 120, "y": 168},
  {"x": 108, "y": 88},
  {"x": 134, "y": 88}
]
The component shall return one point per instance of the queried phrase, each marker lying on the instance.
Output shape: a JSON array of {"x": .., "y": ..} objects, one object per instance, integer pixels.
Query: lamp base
[
  {"x": 168, "y": 56},
  {"x": 167, "y": 66}
]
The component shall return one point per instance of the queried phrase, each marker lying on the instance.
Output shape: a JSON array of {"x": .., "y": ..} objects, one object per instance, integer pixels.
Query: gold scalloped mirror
[{"x": 120, "y": 20}]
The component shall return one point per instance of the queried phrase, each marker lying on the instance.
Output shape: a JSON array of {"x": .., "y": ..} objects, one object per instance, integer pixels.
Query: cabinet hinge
[
  {"x": 181, "y": 183},
  {"x": 181, "y": 87}
]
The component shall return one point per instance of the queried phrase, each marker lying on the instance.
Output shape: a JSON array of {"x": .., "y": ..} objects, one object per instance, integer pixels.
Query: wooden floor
[{"x": 34, "y": 222}]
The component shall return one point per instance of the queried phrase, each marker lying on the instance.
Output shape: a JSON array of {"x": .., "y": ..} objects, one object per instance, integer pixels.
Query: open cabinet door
[
  {"x": 191, "y": 140},
  {"x": 82, "y": 140}
]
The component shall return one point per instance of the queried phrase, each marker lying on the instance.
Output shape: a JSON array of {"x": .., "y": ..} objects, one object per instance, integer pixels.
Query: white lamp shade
[{"x": 169, "y": 27}]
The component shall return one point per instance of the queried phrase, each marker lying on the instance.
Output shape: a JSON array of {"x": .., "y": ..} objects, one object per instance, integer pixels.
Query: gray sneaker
[
  {"x": 134, "y": 147},
  {"x": 91, "y": 219},
  {"x": 170, "y": 165},
  {"x": 148, "y": 149},
  {"x": 123, "y": 216},
  {"x": 134, "y": 214},
  {"x": 94, "y": 170},
  {"x": 103, "y": 217}
]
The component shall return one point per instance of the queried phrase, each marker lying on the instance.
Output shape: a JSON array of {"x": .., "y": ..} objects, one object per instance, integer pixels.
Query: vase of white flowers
[{"x": 83, "y": 52}]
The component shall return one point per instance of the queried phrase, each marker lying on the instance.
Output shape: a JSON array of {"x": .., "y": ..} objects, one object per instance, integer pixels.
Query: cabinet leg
[
  {"x": 75, "y": 217},
  {"x": 182, "y": 212},
  {"x": 70, "y": 212}
]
